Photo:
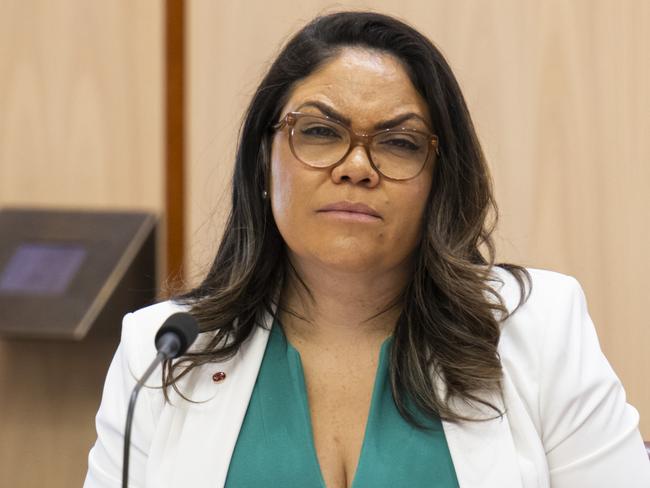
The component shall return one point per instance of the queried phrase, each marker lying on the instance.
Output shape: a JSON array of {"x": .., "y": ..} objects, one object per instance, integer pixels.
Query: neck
[{"x": 341, "y": 306}]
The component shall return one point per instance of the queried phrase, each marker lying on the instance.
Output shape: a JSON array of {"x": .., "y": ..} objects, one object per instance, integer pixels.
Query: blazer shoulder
[
  {"x": 544, "y": 289},
  {"x": 558, "y": 380},
  {"x": 139, "y": 330},
  {"x": 551, "y": 319}
]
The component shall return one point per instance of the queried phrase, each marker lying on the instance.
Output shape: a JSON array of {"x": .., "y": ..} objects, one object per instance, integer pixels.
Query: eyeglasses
[{"x": 321, "y": 142}]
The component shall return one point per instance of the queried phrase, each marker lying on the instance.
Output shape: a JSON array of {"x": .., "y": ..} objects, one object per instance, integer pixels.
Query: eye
[
  {"x": 322, "y": 131},
  {"x": 402, "y": 143}
]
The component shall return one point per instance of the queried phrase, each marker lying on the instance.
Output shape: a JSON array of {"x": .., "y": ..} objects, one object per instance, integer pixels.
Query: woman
[{"x": 353, "y": 333}]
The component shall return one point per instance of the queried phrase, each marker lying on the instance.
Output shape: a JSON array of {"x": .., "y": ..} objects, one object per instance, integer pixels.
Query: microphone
[
  {"x": 173, "y": 338},
  {"x": 177, "y": 333}
]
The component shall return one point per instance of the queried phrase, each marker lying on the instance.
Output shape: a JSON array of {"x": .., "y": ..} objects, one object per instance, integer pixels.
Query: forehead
[{"x": 364, "y": 85}]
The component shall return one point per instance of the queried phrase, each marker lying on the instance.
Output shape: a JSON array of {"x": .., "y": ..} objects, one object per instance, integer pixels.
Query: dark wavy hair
[{"x": 449, "y": 324}]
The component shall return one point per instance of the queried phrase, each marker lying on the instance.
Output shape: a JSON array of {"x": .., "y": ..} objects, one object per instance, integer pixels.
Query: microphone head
[{"x": 183, "y": 326}]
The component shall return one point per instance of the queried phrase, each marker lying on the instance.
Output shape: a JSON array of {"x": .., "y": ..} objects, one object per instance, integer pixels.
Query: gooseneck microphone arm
[
  {"x": 174, "y": 337},
  {"x": 160, "y": 357}
]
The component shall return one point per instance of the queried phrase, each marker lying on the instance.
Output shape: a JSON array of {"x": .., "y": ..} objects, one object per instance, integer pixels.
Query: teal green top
[{"x": 275, "y": 447}]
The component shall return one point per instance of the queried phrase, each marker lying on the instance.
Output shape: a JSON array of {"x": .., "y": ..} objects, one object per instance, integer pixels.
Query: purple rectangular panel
[{"x": 41, "y": 268}]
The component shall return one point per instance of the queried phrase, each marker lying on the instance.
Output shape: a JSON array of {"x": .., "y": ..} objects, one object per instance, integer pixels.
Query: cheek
[
  {"x": 288, "y": 191},
  {"x": 410, "y": 209},
  {"x": 420, "y": 201}
]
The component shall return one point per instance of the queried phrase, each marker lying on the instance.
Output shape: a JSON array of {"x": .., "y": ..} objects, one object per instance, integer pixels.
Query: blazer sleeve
[
  {"x": 590, "y": 433},
  {"x": 105, "y": 458}
]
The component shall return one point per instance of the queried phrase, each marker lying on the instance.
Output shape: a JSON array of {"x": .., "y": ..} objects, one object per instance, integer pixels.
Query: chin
[
  {"x": 345, "y": 253},
  {"x": 348, "y": 264},
  {"x": 349, "y": 257}
]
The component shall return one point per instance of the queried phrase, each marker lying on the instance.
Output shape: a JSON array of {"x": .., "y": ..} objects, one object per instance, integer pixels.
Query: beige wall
[
  {"x": 81, "y": 120},
  {"x": 560, "y": 93},
  {"x": 81, "y": 104}
]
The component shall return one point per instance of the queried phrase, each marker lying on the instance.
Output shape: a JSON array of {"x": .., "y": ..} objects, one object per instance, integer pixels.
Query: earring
[{"x": 265, "y": 195}]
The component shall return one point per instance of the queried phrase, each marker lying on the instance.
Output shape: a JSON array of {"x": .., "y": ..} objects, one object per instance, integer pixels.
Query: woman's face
[{"x": 367, "y": 88}]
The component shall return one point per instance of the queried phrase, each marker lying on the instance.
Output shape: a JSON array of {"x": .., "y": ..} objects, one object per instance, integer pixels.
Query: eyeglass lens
[{"x": 396, "y": 154}]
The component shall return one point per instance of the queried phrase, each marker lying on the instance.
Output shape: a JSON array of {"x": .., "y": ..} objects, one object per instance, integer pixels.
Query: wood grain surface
[
  {"x": 81, "y": 104},
  {"x": 81, "y": 126}
]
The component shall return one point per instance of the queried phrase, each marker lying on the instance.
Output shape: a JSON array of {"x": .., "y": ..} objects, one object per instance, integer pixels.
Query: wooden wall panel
[
  {"x": 81, "y": 116},
  {"x": 50, "y": 395},
  {"x": 81, "y": 120},
  {"x": 559, "y": 91}
]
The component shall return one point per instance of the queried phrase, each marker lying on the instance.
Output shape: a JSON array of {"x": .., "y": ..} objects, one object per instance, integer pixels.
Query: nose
[{"x": 356, "y": 168}]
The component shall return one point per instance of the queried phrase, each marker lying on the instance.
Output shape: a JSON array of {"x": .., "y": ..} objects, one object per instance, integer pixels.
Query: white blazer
[{"x": 567, "y": 423}]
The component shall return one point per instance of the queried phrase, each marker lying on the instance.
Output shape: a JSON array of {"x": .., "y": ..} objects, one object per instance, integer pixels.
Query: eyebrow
[{"x": 386, "y": 124}]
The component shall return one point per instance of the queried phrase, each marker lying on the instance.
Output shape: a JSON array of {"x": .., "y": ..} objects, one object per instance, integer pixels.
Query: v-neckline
[{"x": 294, "y": 356}]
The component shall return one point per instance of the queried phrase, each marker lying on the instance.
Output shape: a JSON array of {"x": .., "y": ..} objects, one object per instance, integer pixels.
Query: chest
[
  {"x": 332, "y": 424},
  {"x": 339, "y": 398}
]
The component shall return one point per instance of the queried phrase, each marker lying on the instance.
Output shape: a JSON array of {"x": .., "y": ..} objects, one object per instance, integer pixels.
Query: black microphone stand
[
  {"x": 172, "y": 339},
  {"x": 160, "y": 357}
]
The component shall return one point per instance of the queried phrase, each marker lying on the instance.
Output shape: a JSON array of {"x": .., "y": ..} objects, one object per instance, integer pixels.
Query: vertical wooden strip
[{"x": 175, "y": 137}]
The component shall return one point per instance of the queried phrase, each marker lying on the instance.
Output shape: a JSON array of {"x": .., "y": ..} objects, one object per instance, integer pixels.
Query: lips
[{"x": 352, "y": 208}]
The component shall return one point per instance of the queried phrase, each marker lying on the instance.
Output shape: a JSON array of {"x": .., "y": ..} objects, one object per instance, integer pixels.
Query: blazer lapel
[
  {"x": 483, "y": 452},
  {"x": 195, "y": 441}
]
